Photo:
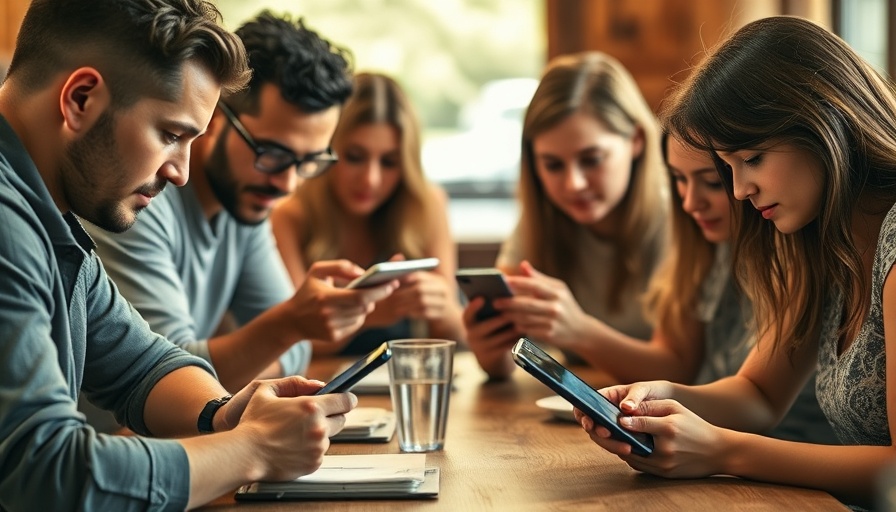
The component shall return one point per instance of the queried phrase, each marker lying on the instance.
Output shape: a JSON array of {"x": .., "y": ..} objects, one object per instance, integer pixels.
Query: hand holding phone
[
  {"x": 353, "y": 374},
  {"x": 488, "y": 283},
  {"x": 389, "y": 270},
  {"x": 582, "y": 396}
]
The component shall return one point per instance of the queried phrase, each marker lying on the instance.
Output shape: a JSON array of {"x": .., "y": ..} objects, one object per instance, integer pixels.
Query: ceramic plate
[{"x": 559, "y": 407}]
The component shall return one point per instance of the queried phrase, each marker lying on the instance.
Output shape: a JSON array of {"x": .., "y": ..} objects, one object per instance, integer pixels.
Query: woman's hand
[
  {"x": 685, "y": 446},
  {"x": 544, "y": 309},
  {"x": 490, "y": 340}
]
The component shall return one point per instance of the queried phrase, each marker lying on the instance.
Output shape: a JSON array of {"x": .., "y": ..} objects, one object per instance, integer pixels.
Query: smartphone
[
  {"x": 582, "y": 396},
  {"x": 347, "y": 379},
  {"x": 389, "y": 270},
  {"x": 483, "y": 282}
]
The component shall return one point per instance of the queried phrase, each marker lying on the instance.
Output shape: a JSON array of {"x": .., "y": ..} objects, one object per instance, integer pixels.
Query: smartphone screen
[
  {"x": 582, "y": 396},
  {"x": 353, "y": 374},
  {"x": 488, "y": 283},
  {"x": 389, "y": 270}
]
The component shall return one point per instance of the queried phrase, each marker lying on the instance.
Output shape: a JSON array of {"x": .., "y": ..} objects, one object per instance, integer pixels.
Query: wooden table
[{"x": 502, "y": 452}]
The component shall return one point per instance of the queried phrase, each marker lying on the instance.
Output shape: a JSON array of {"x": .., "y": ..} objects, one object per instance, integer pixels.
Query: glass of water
[{"x": 420, "y": 373}]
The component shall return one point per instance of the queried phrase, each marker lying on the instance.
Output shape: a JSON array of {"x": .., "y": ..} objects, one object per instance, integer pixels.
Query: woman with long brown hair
[{"x": 804, "y": 132}]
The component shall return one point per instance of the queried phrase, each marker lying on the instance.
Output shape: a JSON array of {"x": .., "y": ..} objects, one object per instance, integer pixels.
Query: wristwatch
[{"x": 208, "y": 413}]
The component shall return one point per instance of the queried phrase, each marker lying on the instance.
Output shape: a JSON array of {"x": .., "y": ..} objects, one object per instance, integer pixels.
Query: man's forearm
[
  {"x": 220, "y": 463},
  {"x": 244, "y": 354},
  {"x": 173, "y": 406}
]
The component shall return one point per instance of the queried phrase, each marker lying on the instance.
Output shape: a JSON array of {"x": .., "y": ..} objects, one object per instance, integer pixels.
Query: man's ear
[{"x": 84, "y": 97}]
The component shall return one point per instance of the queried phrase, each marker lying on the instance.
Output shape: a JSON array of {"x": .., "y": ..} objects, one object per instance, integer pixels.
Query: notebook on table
[
  {"x": 367, "y": 424},
  {"x": 347, "y": 477}
]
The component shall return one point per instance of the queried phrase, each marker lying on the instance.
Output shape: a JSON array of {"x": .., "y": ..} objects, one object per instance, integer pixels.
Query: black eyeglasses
[{"x": 273, "y": 159}]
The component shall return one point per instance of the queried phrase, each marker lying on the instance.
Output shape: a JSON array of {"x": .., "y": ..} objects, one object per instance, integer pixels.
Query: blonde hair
[
  {"x": 595, "y": 84},
  {"x": 674, "y": 291},
  {"x": 400, "y": 223}
]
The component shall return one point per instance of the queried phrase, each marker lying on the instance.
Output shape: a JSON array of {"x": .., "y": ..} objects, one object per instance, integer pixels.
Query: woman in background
[
  {"x": 374, "y": 205},
  {"x": 703, "y": 321},
  {"x": 593, "y": 202},
  {"x": 804, "y": 131}
]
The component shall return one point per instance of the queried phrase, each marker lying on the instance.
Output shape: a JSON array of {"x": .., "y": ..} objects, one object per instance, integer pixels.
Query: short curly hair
[{"x": 310, "y": 72}]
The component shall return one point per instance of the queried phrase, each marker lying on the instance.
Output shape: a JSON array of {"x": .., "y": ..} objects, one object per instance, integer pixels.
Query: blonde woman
[
  {"x": 375, "y": 204},
  {"x": 593, "y": 201}
]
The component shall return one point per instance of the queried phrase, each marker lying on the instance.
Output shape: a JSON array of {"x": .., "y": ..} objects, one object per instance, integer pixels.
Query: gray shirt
[
  {"x": 63, "y": 329},
  {"x": 595, "y": 258},
  {"x": 183, "y": 272}
]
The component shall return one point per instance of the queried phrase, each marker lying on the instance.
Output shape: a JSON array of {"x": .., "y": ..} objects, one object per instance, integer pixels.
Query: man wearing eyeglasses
[{"x": 206, "y": 249}]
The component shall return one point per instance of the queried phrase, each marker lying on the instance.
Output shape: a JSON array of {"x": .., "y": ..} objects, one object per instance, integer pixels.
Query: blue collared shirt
[{"x": 64, "y": 328}]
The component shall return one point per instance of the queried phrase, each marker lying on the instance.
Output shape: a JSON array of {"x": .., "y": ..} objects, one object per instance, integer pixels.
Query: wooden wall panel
[
  {"x": 659, "y": 40},
  {"x": 655, "y": 39},
  {"x": 11, "y": 14},
  {"x": 4, "y": 28}
]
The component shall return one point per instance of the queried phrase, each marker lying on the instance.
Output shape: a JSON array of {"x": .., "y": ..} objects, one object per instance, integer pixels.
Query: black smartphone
[
  {"x": 389, "y": 270},
  {"x": 582, "y": 396},
  {"x": 353, "y": 374},
  {"x": 488, "y": 283}
]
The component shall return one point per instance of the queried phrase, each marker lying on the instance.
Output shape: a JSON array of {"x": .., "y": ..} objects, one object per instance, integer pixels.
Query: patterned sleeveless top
[{"x": 851, "y": 388}]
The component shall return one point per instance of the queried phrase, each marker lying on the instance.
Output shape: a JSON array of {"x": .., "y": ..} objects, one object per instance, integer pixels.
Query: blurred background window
[
  {"x": 469, "y": 66},
  {"x": 864, "y": 24}
]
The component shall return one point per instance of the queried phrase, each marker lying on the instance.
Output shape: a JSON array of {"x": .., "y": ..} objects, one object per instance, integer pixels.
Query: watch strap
[{"x": 208, "y": 414}]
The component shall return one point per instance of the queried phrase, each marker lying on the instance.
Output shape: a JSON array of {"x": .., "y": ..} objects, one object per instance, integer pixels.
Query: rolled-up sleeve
[
  {"x": 50, "y": 459},
  {"x": 124, "y": 358}
]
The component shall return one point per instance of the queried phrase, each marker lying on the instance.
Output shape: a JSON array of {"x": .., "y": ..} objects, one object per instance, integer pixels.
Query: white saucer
[{"x": 559, "y": 407}]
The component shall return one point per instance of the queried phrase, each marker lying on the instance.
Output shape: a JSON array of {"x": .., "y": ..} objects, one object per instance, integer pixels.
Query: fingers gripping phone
[
  {"x": 582, "y": 396},
  {"x": 389, "y": 270},
  {"x": 353, "y": 374},
  {"x": 488, "y": 283}
]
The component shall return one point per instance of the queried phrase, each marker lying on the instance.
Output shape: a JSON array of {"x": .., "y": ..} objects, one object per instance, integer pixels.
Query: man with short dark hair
[
  {"x": 207, "y": 248},
  {"x": 102, "y": 101}
]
